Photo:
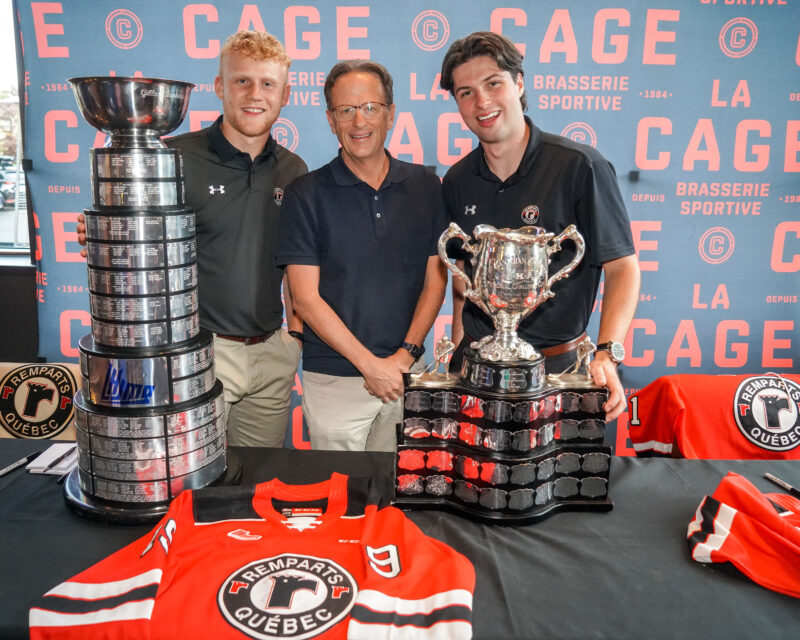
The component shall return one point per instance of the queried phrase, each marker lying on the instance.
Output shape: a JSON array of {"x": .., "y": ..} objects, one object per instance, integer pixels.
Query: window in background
[{"x": 13, "y": 195}]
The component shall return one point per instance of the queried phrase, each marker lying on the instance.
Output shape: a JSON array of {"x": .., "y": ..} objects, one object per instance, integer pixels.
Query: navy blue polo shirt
[
  {"x": 559, "y": 182},
  {"x": 372, "y": 248}
]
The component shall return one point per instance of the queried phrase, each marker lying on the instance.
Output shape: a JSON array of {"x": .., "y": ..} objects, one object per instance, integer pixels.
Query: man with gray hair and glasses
[{"x": 358, "y": 238}]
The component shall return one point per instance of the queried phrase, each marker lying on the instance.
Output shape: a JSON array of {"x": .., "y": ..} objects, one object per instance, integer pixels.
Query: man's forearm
[
  {"x": 293, "y": 320},
  {"x": 429, "y": 303},
  {"x": 620, "y": 297}
]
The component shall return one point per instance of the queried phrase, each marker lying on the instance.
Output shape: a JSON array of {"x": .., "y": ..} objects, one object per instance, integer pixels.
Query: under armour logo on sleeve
[
  {"x": 470, "y": 210},
  {"x": 213, "y": 190}
]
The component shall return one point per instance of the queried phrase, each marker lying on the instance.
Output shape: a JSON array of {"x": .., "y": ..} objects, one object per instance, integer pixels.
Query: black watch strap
[
  {"x": 297, "y": 335},
  {"x": 614, "y": 349},
  {"x": 415, "y": 350}
]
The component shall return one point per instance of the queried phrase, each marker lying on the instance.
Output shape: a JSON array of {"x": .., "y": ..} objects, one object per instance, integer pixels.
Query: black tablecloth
[{"x": 621, "y": 574}]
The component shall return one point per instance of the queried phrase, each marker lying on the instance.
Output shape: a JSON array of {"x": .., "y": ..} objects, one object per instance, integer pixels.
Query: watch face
[{"x": 617, "y": 351}]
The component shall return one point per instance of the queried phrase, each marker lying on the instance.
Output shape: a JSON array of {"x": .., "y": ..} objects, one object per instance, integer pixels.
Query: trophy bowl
[
  {"x": 134, "y": 112},
  {"x": 510, "y": 279}
]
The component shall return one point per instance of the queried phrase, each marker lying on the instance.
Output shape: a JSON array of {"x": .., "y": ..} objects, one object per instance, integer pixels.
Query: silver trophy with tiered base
[
  {"x": 496, "y": 441},
  {"x": 150, "y": 416}
]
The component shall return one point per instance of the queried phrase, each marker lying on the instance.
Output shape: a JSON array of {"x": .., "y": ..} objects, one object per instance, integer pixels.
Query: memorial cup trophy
[
  {"x": 503, "y": 442},
  {"x": 150, "y": 416}
]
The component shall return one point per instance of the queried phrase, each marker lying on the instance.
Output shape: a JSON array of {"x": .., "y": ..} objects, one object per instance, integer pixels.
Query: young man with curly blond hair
[
  {"x": 235, "y": 174},
  {"x": 235, "y": 177}
]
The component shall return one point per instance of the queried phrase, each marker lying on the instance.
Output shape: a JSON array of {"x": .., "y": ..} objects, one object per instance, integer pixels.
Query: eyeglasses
[{"x": 370, "y": 111}]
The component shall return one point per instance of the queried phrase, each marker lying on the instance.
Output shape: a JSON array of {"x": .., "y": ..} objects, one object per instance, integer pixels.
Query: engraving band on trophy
[
  {"x": 142, "y": 255},
  {"x": 143, "y": 309},
  {"x": 107, "y": 423},
  {"x": 139, "y": 226},
  {"x": 146, "y": 335},
  {"x": 136, "y": 163},
  {"x": 142, "y": 283}
]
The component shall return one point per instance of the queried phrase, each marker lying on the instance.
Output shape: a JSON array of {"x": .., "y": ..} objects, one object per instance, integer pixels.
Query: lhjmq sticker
[
  {"x": 36, "y": 400},
  {"x": 766, "y": 409},
  {"x": 287, "y": 596}
]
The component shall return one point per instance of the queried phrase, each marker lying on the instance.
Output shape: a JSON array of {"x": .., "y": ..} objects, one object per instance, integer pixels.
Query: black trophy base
[
  {"x": 505, "y": 376},
  {"x": 93, "y": 508},
  {"x": 503, "y": 458},
  {"x": 483, "y": 516}
]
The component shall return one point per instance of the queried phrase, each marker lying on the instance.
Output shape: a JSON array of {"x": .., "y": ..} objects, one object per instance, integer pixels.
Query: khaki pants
[
  {"x": 342, "y": 415},
  {"x": 257, "y": 380}
]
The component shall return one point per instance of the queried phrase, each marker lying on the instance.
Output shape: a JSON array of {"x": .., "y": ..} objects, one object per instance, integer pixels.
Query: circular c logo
[
  {"x": 580, "y": 132},
  {"x": 430, "y": 30},
  {"x": 285, "y": 133},
  {"x": 738, "y": 37},
  {"x": 716, "y": 245},
  {"x": 124, "y": 29}
]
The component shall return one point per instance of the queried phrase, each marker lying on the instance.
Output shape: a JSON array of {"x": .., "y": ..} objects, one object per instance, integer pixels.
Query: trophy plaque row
[
  {"x": 501, "y": 441},
  {"x": 150, "y": 415}
]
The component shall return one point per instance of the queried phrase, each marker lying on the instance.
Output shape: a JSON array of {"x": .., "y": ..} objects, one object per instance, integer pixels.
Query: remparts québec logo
[
  {"x": 766, "y": 412},
  {"x": 287, "y": 596},
  {"x": 36, "y": 400}
]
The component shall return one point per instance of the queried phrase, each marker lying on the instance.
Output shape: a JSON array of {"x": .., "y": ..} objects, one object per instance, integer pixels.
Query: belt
[
  {"x": 557, "y": 350},
  {"x": 250, "y": 340}
]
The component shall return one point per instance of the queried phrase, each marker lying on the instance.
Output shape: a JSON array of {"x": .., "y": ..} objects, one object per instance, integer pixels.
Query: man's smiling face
[{"x": 252, "y": 93}]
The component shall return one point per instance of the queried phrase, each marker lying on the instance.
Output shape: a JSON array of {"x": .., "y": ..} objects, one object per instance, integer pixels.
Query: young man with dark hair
[
  {"x": 521, "y": 175},
  {"x": 358, "y": 238}
]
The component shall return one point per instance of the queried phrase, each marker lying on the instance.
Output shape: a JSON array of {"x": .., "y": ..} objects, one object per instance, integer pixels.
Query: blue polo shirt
[{"x": 372, "y": 248}]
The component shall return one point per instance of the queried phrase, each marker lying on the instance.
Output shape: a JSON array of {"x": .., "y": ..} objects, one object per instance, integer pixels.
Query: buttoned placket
[
  {"x": 378, "y": 214},
  {"x": 253, "y": 185}
]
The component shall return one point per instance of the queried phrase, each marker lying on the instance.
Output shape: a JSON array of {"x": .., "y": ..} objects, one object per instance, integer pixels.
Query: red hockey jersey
[
  {"x": 720, "y": 417},
  {"x": 758, "y": 533},
  {"x": 269, "y": 561}
]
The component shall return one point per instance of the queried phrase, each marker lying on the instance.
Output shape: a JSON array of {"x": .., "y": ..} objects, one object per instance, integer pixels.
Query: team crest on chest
[
  {"x": 287, "y": 596},
  {"x": 530, "y": 214},
  {"x": 277, "y": 195},
  {"x": 767, "y": 412}
]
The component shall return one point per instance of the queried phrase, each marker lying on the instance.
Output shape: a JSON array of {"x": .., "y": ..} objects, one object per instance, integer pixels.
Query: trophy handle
[
  {"x": 571, "y": 233},
  {"x": 454, "y": 231}
]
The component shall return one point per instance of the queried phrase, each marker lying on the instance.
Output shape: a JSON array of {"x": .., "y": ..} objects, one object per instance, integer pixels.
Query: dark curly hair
[{"x": 483, "y": 43}]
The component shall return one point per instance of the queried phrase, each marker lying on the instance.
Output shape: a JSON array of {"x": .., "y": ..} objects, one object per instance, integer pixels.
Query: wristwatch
[
  {"x": 415, "y": 351},
  {"x": 615, "y": 350}
]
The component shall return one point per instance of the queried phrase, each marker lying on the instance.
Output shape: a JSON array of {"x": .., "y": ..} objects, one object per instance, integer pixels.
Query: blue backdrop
[{"x": 695, "y": 102}]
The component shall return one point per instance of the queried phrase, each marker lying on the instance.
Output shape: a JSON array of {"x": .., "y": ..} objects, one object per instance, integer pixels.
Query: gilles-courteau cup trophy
[{"x": 499, "y": 440}]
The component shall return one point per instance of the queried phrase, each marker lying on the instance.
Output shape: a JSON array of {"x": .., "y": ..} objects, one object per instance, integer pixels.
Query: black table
[{"x": 621, "y": 574}]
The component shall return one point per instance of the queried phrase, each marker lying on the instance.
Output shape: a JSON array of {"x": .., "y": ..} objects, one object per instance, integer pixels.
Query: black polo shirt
[
  {"x": 372, "y": 248},
  {"x": 559, "y": 182},
  {"x": 237, "y": 203}
]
